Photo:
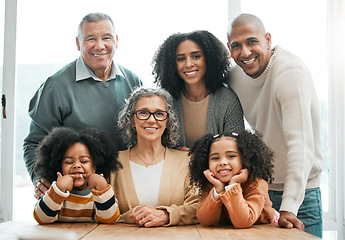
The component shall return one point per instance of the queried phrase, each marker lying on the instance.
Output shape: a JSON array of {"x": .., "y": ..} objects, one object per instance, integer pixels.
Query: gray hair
[
  {"x": 94, "y": 17},
  {"x": 126, "y": 117}
]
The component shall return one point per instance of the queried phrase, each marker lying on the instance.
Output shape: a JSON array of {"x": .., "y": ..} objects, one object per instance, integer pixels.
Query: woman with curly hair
[
  {"x": 153, "y": 187},
  {"x": 232, "y": 171},
  {"x": 77, "y": 164},
  {"x": 194, "y": 67}
]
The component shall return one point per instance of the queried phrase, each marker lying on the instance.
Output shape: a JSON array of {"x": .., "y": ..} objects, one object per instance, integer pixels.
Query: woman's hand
[
  {"x": 215, "y": 181},
  {"x": 64, "y": 183},
  {"x": 149, "y": 216},
  {"x": 96, "y": 181},
  {"x": 241, "y": 177}
]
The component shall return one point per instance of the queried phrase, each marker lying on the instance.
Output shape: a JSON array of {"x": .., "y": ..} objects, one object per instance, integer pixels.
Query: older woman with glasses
[{"x": 153, "y": 187}]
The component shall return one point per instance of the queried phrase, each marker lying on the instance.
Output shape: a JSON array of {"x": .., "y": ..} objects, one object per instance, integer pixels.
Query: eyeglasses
[{"x": 144, "y": 115}]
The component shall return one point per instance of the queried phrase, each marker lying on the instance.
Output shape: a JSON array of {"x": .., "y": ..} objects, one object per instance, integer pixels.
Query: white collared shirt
[{"x": 84, "y": 72}]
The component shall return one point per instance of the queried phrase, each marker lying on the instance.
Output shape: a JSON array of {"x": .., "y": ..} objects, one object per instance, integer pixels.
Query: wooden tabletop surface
[{"x": 94, "y": 231}]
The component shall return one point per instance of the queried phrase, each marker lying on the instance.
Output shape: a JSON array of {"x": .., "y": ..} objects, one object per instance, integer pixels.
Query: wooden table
[{"x": 94, "y": 231}]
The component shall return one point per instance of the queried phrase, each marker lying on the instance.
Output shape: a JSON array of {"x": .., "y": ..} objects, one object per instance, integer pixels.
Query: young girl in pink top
[{"x": 232, "y": 170}]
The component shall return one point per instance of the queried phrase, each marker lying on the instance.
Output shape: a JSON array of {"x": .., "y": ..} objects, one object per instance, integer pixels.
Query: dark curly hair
[
  {"x": 254, "y": 153},
  {"x": 217, "y": 60},
  {"x": 51, "y": 151}
]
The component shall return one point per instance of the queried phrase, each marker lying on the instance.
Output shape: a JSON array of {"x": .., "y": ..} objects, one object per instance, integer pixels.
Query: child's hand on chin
[
  {"x": 97, "y": 181},
  {"x": 212, "y": 179},
  {"x": 64, "y": 183},
  {"x": 241, "y": 177}
]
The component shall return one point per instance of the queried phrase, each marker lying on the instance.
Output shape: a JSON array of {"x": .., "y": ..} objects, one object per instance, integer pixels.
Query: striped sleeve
[
  {"x": 78, "y": 208},
  {"x": 48, "y": 207},
  {"x": 107, "y": 210}
]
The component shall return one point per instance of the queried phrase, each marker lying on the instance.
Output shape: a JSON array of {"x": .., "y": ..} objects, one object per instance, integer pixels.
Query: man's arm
[
  {"x": 301, "y": 123},
  {"x": 31, "y": 142},
  {"x": 45, "y": 114}
]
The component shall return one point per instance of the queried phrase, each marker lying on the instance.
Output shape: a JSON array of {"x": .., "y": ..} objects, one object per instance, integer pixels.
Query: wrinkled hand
[
  {"x": 65, "y": 182},
  {"x": 241, "y": 177},
  {"x": 149, "y": 216},
  {"x": 220, "y": 186},
  {"x": 289, "y": 220},
  {"x": 96, "y": 181},
  {"x": 41, "y": 187}
]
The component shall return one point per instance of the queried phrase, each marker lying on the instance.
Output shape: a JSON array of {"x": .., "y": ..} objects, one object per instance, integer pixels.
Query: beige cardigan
[{"x": 175, "y": 193}]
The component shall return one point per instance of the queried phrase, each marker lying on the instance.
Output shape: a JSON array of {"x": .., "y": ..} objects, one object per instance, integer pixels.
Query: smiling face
[
  {"x": 97, "y": 46},
  {"x": 224, "y": 159},
  {"x": 150, "y": 130},
  {"x": 191, "y": 64},
  {"x": 250, "y": 47},
  {"x": 77, "y": 160}
]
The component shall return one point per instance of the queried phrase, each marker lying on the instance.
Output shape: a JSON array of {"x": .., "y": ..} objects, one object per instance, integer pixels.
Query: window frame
[
  {"x": 7, "y": 124},
  {"x": 334, "y": 219}
]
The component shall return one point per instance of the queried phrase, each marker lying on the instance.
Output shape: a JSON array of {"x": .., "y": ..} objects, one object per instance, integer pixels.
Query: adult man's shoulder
[
  {"x": 287, "y": 60},
  {"x": 236, "y": 77},
  {"x": 289, "y": 74},
  {"x": 65, "y": 75},
  {"x": 130, "y": 76},
  {"x": 68, "y": 70}
]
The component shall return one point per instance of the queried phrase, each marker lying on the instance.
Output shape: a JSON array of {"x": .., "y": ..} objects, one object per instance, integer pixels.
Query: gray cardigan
[{"x": 224, "y": 114}]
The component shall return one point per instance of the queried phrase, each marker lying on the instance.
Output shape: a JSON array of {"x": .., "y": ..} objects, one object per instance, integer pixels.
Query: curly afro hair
[
  {"x": 254, "y": 153},
  {"x": 51, "y": 151},
  {"x": 217, "y": 60}
]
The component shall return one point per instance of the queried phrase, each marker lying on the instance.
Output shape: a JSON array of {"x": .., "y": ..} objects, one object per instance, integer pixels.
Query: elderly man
[
  {"x": 279, "y": 100},
  {"x": 87, "y": 93}
]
